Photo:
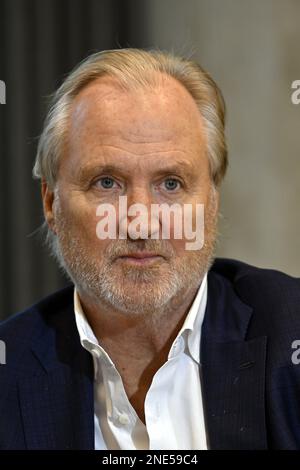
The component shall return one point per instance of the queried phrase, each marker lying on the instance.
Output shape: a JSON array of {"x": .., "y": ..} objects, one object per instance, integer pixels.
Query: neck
[
  {"x": 137, "y": 345},
  {"x": 141, "y": 335}
]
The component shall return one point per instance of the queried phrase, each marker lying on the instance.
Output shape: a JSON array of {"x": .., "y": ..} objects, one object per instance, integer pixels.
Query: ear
[{"x": 48, "y": 201}]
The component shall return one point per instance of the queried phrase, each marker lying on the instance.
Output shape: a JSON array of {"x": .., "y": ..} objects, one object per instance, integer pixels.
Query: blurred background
[{"x": 252, "y": 51}]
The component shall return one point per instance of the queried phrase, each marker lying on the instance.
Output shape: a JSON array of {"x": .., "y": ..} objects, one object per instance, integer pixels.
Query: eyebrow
[{"x": 183, "y": 168}]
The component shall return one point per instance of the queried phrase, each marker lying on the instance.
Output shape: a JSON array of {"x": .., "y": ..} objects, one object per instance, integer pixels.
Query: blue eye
[
  {"x": 106, "y": 182},
  {"x": 171, "y": 184}
]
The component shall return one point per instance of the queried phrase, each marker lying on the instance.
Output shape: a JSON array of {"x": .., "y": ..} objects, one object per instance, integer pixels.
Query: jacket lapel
[
  {"x": 232, "y": 372},
  {"x": 56, "y": 396}
]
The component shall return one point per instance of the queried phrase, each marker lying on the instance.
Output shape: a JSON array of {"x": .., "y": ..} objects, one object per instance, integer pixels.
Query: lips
[
  {"x": 141, "y": 258},
  {"x": 140, "y": 255}
]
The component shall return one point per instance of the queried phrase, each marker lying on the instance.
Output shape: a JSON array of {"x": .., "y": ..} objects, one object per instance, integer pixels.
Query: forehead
[
  {"x": 145, "y": 121},
  {"x": 149, "y": 109}
]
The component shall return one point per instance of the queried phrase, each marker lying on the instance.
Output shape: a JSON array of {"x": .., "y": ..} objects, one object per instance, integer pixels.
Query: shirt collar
[
  {"x": 192, "y": 324},
  {"x": 86, "y": 334}
]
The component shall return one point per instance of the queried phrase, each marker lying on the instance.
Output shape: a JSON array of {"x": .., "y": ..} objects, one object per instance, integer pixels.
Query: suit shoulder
[
  {"x": 20, "y": 326},
  {"x": 274, "y": 298},
  {"x": 253, "y": 281},
  {"x": 273, "y": 295}
]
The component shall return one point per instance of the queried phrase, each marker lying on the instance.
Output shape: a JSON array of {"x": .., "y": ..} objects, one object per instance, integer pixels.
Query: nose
[
  {"x": 140, "y": 194},
  {"x": 139, "y": 223}
]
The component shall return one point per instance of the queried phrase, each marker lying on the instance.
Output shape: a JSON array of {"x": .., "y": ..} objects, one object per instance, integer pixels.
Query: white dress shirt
[{"x": 173, "y": 405}]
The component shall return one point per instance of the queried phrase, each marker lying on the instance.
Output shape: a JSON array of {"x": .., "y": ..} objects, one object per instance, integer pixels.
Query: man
[{"x": 157, "y": 346}]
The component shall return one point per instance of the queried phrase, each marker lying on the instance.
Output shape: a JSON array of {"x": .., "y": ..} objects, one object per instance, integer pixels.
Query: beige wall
[{"x": 252, "y": 49}]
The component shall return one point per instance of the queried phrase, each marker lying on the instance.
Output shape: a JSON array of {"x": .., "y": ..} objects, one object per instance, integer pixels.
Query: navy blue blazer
[{"x": 251, "y": 388}]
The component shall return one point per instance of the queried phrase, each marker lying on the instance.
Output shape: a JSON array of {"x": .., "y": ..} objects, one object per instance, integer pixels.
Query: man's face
[{"x": 148, "y": 145}]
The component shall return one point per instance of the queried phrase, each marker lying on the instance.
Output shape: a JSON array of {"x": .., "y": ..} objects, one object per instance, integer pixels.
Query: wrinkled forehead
[
  {"x": 153, "y": 114},
  {"x": 137, "y": 129}
]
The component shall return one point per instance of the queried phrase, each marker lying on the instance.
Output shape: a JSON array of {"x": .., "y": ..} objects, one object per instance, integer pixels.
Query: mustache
[{"x": 127, "y": 247}]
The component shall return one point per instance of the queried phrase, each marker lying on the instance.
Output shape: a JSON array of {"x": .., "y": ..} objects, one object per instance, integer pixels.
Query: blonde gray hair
[{"x": 133, "y": 68}]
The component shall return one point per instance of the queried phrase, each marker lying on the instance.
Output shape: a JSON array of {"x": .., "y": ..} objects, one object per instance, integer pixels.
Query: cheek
[
  {"x": 179, "y": 247},
  {"x": 80, "y": 218}
]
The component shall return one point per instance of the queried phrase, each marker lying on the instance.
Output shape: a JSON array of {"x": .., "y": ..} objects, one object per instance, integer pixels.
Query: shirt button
[{"x": 124, "y": 418}]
